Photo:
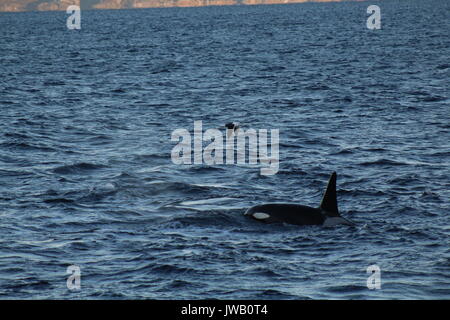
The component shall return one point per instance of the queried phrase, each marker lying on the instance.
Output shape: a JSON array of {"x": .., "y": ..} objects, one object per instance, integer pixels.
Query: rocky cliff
[
  {"x": 35, "y": 5},
  {"x": 50, "y": 5}
]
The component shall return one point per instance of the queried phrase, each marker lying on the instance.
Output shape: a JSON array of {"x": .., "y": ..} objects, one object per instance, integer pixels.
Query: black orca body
[
  {"x": 327, "y": 214},
  {"x": 232, "y": 126}
]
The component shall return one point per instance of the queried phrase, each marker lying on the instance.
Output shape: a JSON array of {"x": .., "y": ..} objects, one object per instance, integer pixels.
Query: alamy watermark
[
  {"x": 233, "y": 142},
  {"x": 74, "y": 280},
  {"x": 374, "y": 21},
  {"x": 74, "y": 20},
  {"x": 374, "y": 280}
]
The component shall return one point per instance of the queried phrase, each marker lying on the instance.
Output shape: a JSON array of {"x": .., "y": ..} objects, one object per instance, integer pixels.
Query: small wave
[
  {"x": 54, "y": 83},
  {"x": 26, "y": 146},
  {"x": 292, "y": 171},
  {"x": 14, "y": 173},
  {"x": 383, "y": 162},
  {"x": 344, "y": 151},
  {"x": 209, "y": 204},
  {"x": 59, "y": 200},
  {"x": 29, "y": 283},
  {"x": 77, "y": 168},
  {"x": 404, "y": 180},
  {"x": 98, "y": 193},
  {"x": 164, "y": 67},
  {"x": 80, "y": 245},
  {"x": 204, "y": 219},
  {"x": 273, "y": 69},
  {"x": 417, "y": 93},
  {"x": 345, "y": 289},
  {"x": 151, "y": 157},
  {"x": 108, "y": 294},
  {"x": 205, "y": 201},
  {"x": 179, "y": 284},
  {"x": 205, "y": 169},
  {"x": 159, "y": 186},
  {"x": 429, "y": 195},
  {"x": 359, "y": 192},
  {"x": 266, "y": 272},
  {"x": 275, "y": 294},
  {"x": 375, "y": 149},
  {"x": 3, "y": 102},
  {"x": 317, "y": 86},
  {"x": 169, "y": 269},
  {"x": 345, "y": 99},
  {"x": 433, "y": 98},
  {"x": 407, "y": 211},
  {"x": 286, "y": 102},
  {"x": 16, "y": 135}
]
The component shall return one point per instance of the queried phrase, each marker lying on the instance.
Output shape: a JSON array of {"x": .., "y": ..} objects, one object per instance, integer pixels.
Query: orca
[
  {"x": 327, "y": 214},
  {"x": 232, "y": 126}
]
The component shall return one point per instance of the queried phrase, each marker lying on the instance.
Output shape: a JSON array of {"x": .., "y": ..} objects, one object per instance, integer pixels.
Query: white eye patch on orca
[{"x": 260, "y": 215}]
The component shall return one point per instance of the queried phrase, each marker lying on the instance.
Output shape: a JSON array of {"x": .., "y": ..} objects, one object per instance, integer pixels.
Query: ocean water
[{"x": 86, "y": 176}]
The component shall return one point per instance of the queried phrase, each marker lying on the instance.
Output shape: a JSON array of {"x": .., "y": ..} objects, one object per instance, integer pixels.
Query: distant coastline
[{"x": 61, "y": 5}]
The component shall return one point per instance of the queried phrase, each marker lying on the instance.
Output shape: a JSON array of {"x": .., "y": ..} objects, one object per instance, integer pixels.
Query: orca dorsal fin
[{"x": 329, "y": 200}]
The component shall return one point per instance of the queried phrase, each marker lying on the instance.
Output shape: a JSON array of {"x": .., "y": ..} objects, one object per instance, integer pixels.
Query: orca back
[{"x": 285, "y": 212}]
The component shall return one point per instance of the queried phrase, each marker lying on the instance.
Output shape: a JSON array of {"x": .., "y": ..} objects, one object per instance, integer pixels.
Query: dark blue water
[{"x": 86, "y": 176}]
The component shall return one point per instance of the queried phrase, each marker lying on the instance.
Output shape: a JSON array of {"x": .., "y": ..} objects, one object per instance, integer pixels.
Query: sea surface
[{"x": 87, "y": 179}]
